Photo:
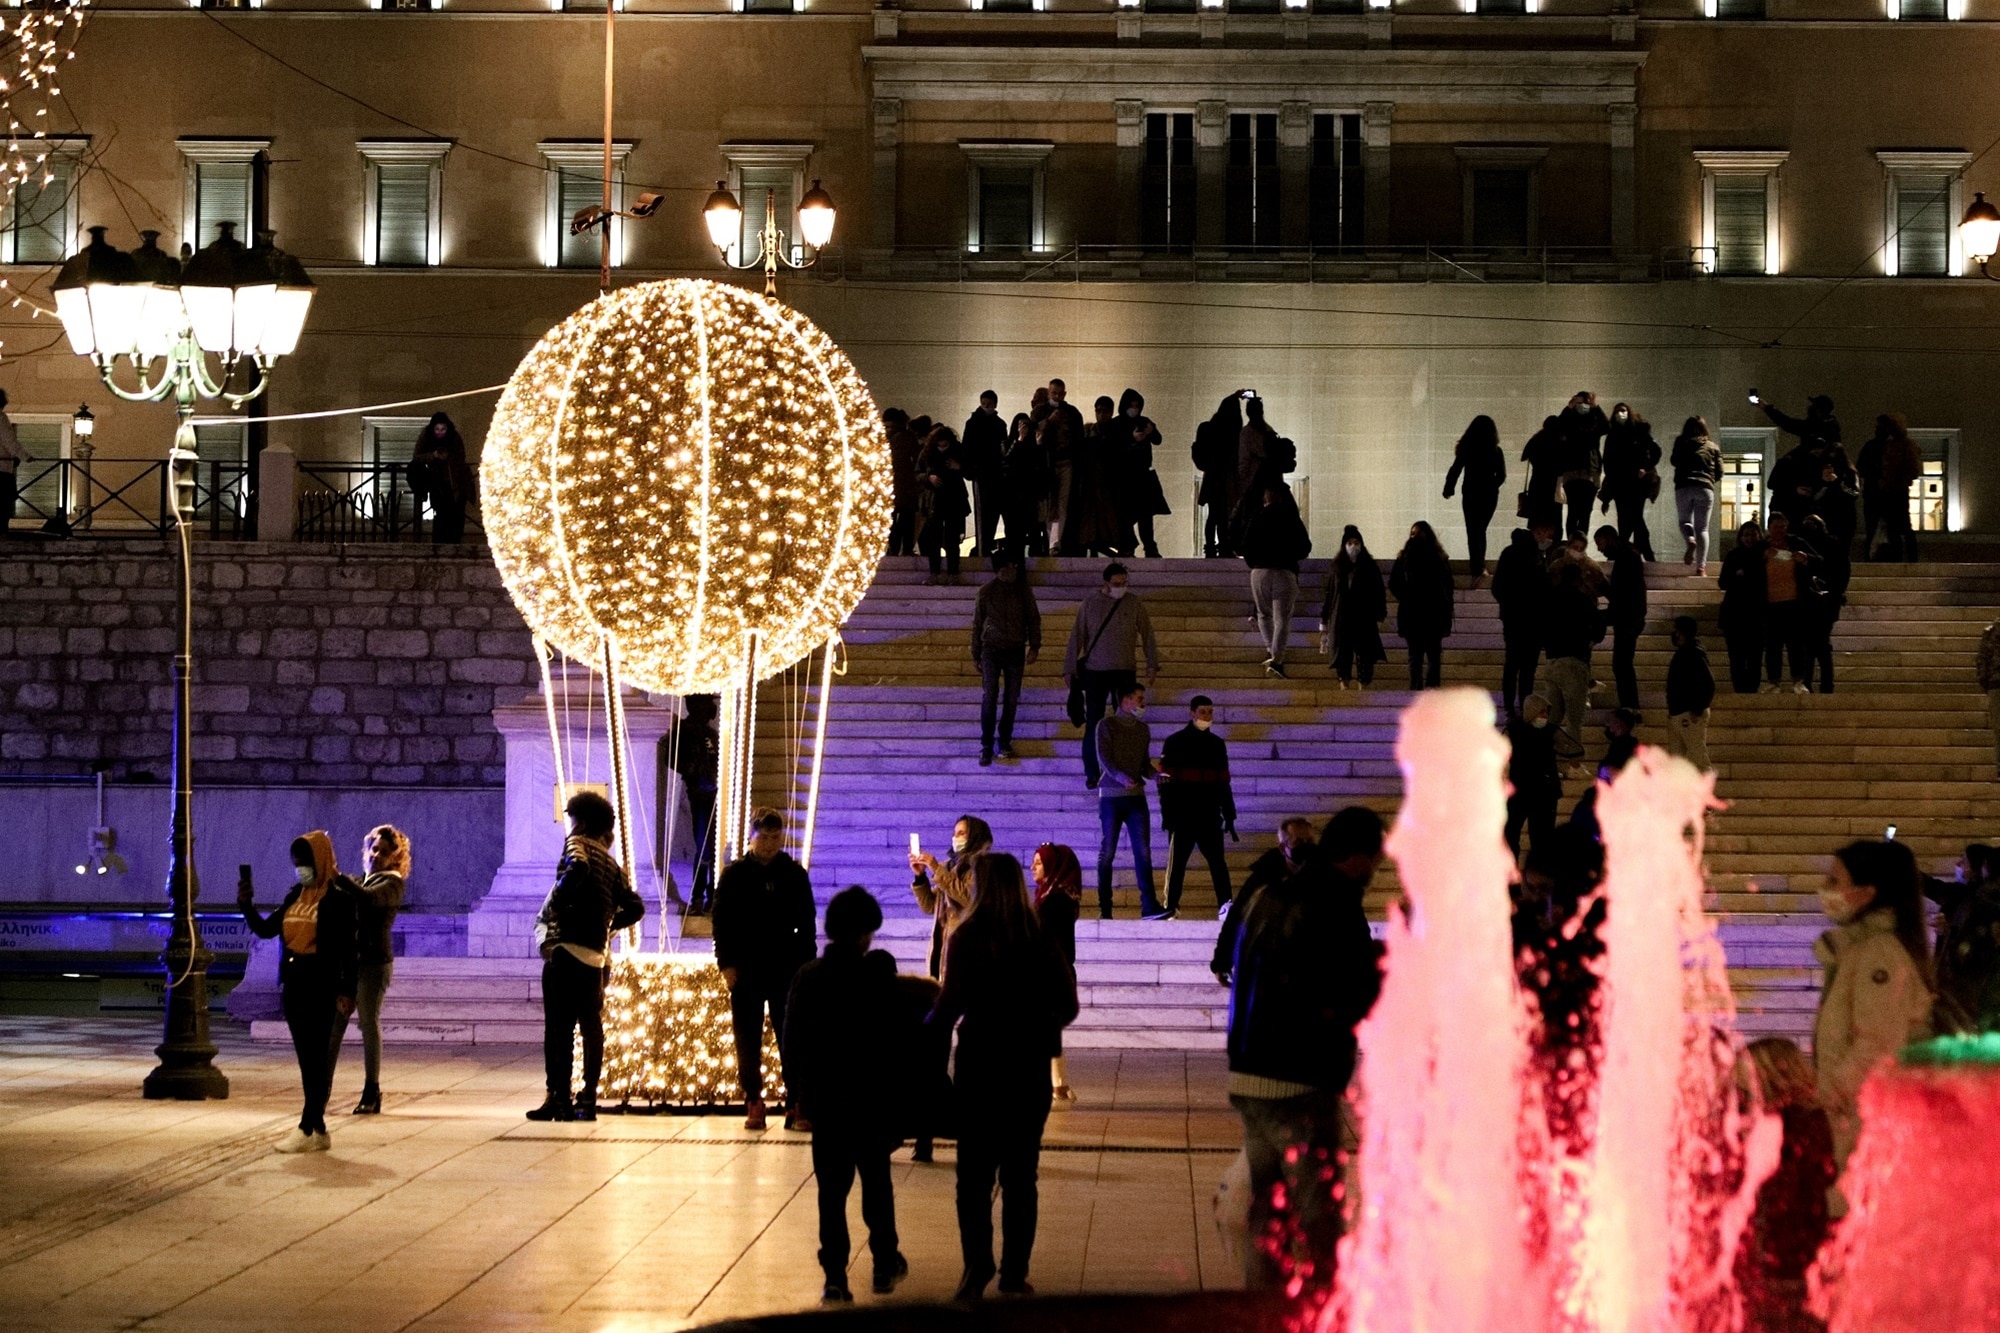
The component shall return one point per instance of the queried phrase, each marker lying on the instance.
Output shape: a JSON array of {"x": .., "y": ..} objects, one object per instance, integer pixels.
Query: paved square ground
[{"x": 452, "y": 1212}]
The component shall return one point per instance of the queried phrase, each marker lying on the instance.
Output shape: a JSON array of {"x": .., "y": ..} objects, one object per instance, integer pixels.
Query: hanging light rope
[
  {"x": 555, "y": 730},
  {"x": 835, "y": 647}
]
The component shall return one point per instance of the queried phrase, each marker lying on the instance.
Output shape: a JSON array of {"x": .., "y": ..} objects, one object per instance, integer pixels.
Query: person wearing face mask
[
  {"x": 1521, "y": 587},
  {"x": 1101, "y": 661},
  {"x": 1631, "y": 476},
  {"x": 316, "y": 972},
  {"x": 1006, "y": 640},
  {"x": 943, "y": 889},
  {"x": 1534, "y": 776},
  {"x": 1196, "y": 802},
  {"x": 1350, "y": 615},
  {"x": 385, "y": 863},
  {"x": 1125, "y": 749},
  {"x": 1295, "y": 844},
  {"x": 765, "y": 926},
  {"x": 1877, "y": 994}
]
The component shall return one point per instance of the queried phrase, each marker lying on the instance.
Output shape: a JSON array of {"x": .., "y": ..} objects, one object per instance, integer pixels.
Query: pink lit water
[{"x": 1467, "y": 1220}]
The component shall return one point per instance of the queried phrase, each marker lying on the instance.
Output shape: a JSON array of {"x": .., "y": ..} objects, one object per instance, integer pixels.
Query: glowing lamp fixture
[
  {"x": 1979, "y": 230},
  {"x": 724, "y": 217},
  {"x": 83, "y": 424}
]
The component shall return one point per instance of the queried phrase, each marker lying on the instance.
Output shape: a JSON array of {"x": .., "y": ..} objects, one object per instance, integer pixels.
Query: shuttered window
[
  {"x": 578, "y": 189},
  {"x": 1006, "y": 208},
  {"x": 1931, "y": 11},
  {"x": 44, "y": 441},
  {"x": 1923, "y": 224},
  {"x": 1250, "y": 215},
  {"x": 38, "y": 219},
  {"x": 768, "y": 187},
  {"x": 224, "y": 192},
  {"x": 1336, "y": 181},
  {"x": 1742, "y": 208},
  {"x": 1166, "y": 184},
  {"x": 403, "y": 212}
]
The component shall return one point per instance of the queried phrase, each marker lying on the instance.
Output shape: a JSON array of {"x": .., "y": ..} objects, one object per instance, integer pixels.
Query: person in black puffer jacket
[
  {"x": 592, "y": 898},
  {"x": 764, "y": 931},
  {"x": 1306, "y": 972},
  {"x": 840, "y": 1048}
]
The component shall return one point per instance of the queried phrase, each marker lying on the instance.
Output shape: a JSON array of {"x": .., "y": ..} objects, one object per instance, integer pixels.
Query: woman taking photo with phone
[{"x": 316, "y": 972}]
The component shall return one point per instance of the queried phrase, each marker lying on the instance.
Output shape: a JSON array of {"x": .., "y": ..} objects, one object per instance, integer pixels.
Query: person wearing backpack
[{"x": 1275, "y": 541}]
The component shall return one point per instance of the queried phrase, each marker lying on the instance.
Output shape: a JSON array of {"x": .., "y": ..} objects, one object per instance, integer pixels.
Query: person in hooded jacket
[
  {"x": 1521, "y": 587},
  {"x": 1877, "y": 993},
  {"x": 1351, "y": 614},
  {"x": 840, "y": 1046},
  {"x": 1214, "y": 456},
  {"x": 1304, "y": 974},
  {"x": 1141, "y": 498},
  {"x": 385, "y": 864},
  {"x": 1421, "y": 583},
  {"x": 1742, "y": 614},
  {"x": 1826, "y": 594},
  {"x": 440, "y": 474},
  {"x": 1697, "y": 461},
  {"x": 942, "y": 504},
  {"x": 943, "y": 889},
  {"x": 1888, "y": 465},
  {"x": 1795, "y": 477},
  {"x": 1296, "y": 841},
  {"x": 1275, "y": 542},
  {"x": 1535, "y": 776},
  {"x": 1690, "y": 692},
  {"x": 1479, "y": 465},
  {"x": 904, "y": 448},
  {"x": 1581, "y": 427},
  {"x": 316, "y": 971},
  {"x": 1966, "y": 961},
  {"x": 1631, "y": 475}
]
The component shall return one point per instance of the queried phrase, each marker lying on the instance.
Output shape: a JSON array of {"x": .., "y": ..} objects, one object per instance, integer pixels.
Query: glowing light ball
[{"x": 681, "y": 465}]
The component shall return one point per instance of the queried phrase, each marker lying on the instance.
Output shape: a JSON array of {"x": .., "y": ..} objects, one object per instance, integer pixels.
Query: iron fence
[
  {"x": 128, "y": 497},
  {"x": 365, "y": 502}
]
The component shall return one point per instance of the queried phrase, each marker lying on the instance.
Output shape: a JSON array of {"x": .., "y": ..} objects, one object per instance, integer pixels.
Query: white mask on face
[
  {"x": 1839, "y": 908},
  {"x": 1139, "y": 711},
  {"x": 306, "y": 876},
  {"x": 1538, "y": 723},
  {"x": 958, "y": 844},
  {"x": 1114, "y": 591},
  {"x": 1353, "y": 550},
  {"x": 1545, "y": 544},
  {"x": 1202, "y": 724}
]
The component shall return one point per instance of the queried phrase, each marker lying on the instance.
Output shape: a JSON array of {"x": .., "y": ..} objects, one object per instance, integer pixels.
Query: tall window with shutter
[
  {"x": 1335, "y": 193},
  {"x": 41, "y": 215},
  {"x": 1924, "y": 201},
  {"x": 1166, "y": 182},
  {"x": 1005, "y": 184},
  {"x": 1250, "y": 215},
  {"x": 1739, "y": 212},
  {"x": 224, "y": 181},
  {"x": 768, "y": 177},
  {"x": 402, "y": 201},
  {"x": 576, "y": 182}
]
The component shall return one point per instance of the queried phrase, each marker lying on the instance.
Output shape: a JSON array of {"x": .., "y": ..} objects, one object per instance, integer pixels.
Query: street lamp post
[
  {"x": 246, "y": 306},
  {"x": 725, "y": 222},
  {"x": 83, "y": 427}
]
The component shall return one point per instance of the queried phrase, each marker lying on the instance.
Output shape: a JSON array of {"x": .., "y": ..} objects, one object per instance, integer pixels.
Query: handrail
[
  {"x": 123, "y": 497},
  {"x": 362, "y": 502}
]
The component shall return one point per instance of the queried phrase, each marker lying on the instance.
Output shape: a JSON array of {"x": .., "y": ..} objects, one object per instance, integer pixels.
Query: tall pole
[
  {"x": 604, "y": 249},
  {"x": 186, "y": 1071}
]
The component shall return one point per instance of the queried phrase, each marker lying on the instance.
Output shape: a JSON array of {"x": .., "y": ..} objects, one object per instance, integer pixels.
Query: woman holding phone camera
[
  {"x": 944, "y": 888},
  {"x": 385, "y": 865},
  {"x": 316, "y": 972}
]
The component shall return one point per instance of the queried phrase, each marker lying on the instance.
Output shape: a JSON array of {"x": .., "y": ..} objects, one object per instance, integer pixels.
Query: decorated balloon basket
[{"x": 669, "y": 1040}]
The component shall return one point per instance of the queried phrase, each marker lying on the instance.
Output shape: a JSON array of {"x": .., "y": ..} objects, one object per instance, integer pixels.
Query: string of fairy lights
[{"x": 43, "y": 36}]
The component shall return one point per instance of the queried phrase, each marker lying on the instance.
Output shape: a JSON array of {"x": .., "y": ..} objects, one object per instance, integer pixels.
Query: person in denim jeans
[{"x": 1125, "y": 753}]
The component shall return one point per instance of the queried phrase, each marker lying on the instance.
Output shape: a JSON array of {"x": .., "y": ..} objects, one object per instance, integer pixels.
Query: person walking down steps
[
  {"x": 1006, "y": 640},
  {"x": 1101, "y": 661}
]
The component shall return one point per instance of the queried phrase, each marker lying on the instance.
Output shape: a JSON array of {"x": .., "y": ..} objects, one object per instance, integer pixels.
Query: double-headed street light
[
  {"x": 245, "y": 306},
  {"x": 725, "y": 224}
]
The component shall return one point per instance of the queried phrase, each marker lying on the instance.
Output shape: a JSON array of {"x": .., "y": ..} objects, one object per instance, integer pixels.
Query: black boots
[
  {"x": 553, "y": 1108},
  {"x": 371, "y": 1101}
]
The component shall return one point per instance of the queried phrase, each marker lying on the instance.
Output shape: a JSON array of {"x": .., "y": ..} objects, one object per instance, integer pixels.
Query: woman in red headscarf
[{"x": 1058, "y": 879}]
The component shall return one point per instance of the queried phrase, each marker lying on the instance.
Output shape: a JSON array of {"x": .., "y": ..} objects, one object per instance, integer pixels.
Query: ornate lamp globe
[{"x": 680, "y": 467}]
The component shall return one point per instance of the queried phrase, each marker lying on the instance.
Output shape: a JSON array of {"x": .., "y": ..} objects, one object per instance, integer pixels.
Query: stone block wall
[{"x": 314, "y": 666}]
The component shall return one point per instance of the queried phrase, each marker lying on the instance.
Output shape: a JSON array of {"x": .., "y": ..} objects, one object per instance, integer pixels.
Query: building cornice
[{"x": 1183, "y": 76}]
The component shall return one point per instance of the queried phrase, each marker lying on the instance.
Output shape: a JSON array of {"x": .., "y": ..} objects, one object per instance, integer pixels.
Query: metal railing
[
  {"x": 127, "y": 497},
  {"x": 365, "y": 502},
  {"x": 1402, "y": 264}
]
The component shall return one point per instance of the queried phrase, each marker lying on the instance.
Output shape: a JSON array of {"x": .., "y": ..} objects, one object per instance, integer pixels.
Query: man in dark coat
[
  {"x": 1795, "y": 477},
  {"x": 1196, "y": 803},
  {"x": 1627, "y": 611},
  {"x": 1534, "y": 775},
  {"x": 841, "y": 1043},
  {"x": 764, "y": 925},
  {"x": 591, "y": 899},
  {"x": 979, "y": 448},
  {"x": 1582, "y": 428},
  {"x": 1305, "y": 973},
  {"x": 1214, "y": 455}
]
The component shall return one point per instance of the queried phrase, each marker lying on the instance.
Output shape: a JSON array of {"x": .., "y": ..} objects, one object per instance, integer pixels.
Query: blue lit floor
[{"x": 451, "y": 1212}]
